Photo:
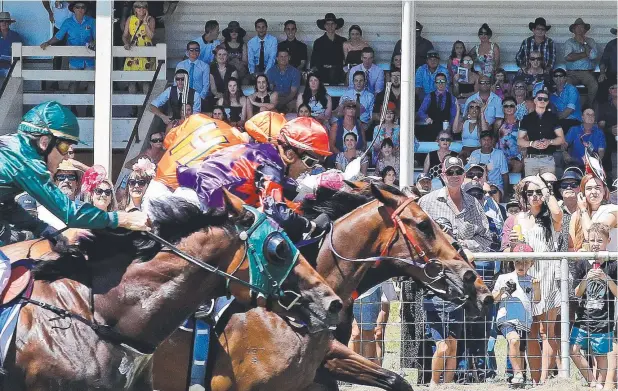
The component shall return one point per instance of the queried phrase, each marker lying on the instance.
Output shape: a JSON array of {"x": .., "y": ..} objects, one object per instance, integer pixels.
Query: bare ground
[{"x": 552, "y": 385}]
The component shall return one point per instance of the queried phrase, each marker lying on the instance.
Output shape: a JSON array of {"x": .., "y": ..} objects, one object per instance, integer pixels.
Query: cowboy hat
[
  {"x": 6, "y": 17},
  {"x": 579, "y": 21},
  {"x": 327, "y": 17},
  {"x": 539, "y": 21},
  {"x": 234, "y": 25}
]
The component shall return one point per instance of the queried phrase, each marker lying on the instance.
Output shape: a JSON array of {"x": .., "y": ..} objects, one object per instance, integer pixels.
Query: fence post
[
  {"x": 565, "y": 371},
  {"x": 161, "y": 50},
  {"x": 15, "y": 53}
]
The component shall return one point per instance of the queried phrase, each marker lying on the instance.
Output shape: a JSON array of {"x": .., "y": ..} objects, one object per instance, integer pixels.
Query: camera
[{"x": 510, "y": 287}]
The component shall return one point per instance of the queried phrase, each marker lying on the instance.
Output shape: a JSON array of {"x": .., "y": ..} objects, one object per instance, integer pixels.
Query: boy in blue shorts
[{"x": 594, "y": 327}]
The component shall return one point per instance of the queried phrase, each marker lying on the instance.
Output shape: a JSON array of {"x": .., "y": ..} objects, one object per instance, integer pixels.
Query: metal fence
[{"x": 407, "y": 342}]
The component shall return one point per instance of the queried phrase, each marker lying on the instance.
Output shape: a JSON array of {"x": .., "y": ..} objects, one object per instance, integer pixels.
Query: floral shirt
[{"x": 508, "y": 140}]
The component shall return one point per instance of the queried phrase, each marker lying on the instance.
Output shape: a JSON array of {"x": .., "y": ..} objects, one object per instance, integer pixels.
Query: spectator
[
  {"x": 593, "y": 330},
  {"x": 389, "y": 156},
  {"x": 501, "y": 86},
  {"x": 315, "y": 96},
  {"x": 390, "y": 129},
  {"x": 493, "y": 159},
  {"x": 303, "y": 110},
  {"x": 467, "y": 83},
  {"x": 327, "y": 56},
  {"x": 455, "y": 60},
  {"x": 433, "y": 160},
  {"x": 487, "y": 53},
  {"x": 607, "y": 122},
  {"x": 143, "y": 172},
  {"x": 543, "y": 133},
  {"x": 155, "y": 149},
  {"x": 366, "y": 310},
  {"x": 199, "y": 73},
  {"x": 138, "y": 31},
  {"x": 426, "y": 74},
  {"x": 515, "y": 292},
  {"x": 423, "y": 46},
  {"x": 394, "y": 96},
  {"x": 71, "y": 159},
  {"x": 262, "y": 49},
  {"x": 507, "y": 141},
  {"x": 477, "y": 173},
  {"x": 342, "y": 159},
  {"x": 524, "y": 104},
  {"x": 512, "y": 209},
  {"x": 374, "y": 75},
  {"x": 569, "y": 189},
  {"x": 285, "y": 81},
  {"x": 389, "y": 176},
  {"x": 68, "y": 180},
  {"x": 234, "y": 103},
  {"x": 439, "y": 108},
  {"x": 263, "y": 99},
  {"x": 28, "y": 203},
  {"x": 347, "y": 123},
  {"x": 97, "y": 190},
  {"x": 580, "y": 53},
  {"x": 538, "y": 42},
  {"x": 566, "y": 101},
  {"x": 218, "y": 112},
  {"x": 492, "y": 104},
  {"x": 587, "y": 135},
  {"x": 184, "y": 114},
  {"x": 363, "y": 98},
  {"x": 296, "y": 48},
  {"x": 534, "y": 72},
  {"x": 7, "y": 38},
  {"x": 209, "y": 41},
  {"x": 395, "y": 64},
  {"x": 57, "y": 15},
  {"x": 353, "y": 48},
  {"x": 221, "y": 71},
  {"x": 492, "y": 190},
  {"x": 236, "y": 48},
  {"x": 168, "y": 104},
  {"x": 470, "y": 127},
  {"x": 607, "y": 68},
  {"x": 423, "y": 184},
  {"x": 540, "y": 227}
]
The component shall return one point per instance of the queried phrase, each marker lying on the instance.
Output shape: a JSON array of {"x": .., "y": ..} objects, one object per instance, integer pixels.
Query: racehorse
[
  {"x": 98, "y": 309},
  {"x": 258, "y": 351}
]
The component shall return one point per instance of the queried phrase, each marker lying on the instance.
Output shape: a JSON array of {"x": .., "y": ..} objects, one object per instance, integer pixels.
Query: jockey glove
[{"x": 293, "y": 224}]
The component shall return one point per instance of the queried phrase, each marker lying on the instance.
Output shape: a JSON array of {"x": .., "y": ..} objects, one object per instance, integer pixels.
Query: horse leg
[
  {"x": 171, "y": 362},
  {"x": 345, "y": 365}
]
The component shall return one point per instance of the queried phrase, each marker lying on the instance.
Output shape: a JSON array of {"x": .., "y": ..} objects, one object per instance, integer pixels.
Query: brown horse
[
  {"x": 142, "y": 292},
  {"x": 282, "y": 357}
]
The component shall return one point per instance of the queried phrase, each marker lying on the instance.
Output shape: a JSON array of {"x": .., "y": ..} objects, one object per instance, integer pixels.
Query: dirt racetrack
[{"x": 552, "y": 385}]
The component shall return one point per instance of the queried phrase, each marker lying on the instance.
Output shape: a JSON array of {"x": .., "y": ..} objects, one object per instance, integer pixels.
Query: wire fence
[{"x": 551, "y": 318}]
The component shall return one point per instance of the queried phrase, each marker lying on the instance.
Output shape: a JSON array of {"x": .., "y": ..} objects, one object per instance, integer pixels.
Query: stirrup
[{"x": 205, "y": 310}]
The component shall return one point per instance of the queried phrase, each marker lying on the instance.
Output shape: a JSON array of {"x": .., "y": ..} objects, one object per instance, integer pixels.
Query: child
[
  {"x": 514, "y": 293},
  {"x": 594, "y": 327}
]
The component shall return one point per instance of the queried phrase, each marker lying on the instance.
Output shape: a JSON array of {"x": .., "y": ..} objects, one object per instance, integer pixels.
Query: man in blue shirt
[
  {"x": 285, "y": 80},
  {"x": 494, "y": 114},
  {"x": 373, "y": 73},
  {"x": 426, "y": 74},
  {"x": 208, "y": 41},
  {"x": 580, "y": 53},
  {"x": 261, "y": 49},
  {"x": 7, "y": 37},
  {"x": 493, "y": 159},
  {"x": 364, "y": 99},
  {"x": 199, "y": 71},
  {"x": 585, "y": 135},
  {"x": 566, "y": 100},
  {"x": 438, "y": 106}
]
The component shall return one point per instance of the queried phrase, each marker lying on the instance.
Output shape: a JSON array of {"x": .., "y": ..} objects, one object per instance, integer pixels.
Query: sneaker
[{"x": 517, "y": 381}]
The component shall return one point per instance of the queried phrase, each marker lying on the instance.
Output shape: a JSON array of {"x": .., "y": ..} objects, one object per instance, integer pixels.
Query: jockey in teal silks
[{"x": 28, "y": 161}]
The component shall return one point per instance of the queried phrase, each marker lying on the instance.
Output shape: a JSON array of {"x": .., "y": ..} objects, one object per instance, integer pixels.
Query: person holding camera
[{"x": 515, "y": 292}]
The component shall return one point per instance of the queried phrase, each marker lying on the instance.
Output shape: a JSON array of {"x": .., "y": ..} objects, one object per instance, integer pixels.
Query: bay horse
[
  {"x": 258, "y": 351},
  {"x": 128, "y": 294}
]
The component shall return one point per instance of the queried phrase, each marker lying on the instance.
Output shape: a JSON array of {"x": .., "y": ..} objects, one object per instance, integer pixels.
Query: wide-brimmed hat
[
  {"x": 579, "y": 21},
  {"x": 234, "y": 25},
  {"x": 327, "y": 17},
  {"x": 539, "y": 21},
  {"x": 613, "y": 30},
  {"x": 6, "y": 17}
]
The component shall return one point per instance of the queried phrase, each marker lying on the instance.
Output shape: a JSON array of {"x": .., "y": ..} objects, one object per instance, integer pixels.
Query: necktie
[
  {"x": 441, "y": 102},
  {"x": 358, "y": 104},
  {"x": 367, "y": 77},
  {"x": 191, "y": 70},
  {"x": 261, "y": 62}
]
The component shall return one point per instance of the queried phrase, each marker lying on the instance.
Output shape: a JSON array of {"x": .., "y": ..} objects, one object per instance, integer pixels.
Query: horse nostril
[
  {"x": 469, "y": 277},
  {"x": 335, "y": 306}
]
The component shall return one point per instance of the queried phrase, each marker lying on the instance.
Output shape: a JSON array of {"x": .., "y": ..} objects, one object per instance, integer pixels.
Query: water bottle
[{"x": 445, "y": 125}]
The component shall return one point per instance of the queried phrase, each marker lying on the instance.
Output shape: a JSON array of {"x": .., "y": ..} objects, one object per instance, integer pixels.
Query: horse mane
[{"x": 174, "y": 218}]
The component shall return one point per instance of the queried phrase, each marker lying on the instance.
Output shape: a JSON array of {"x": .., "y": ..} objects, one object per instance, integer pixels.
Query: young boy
[
  {"x": 514, "y": 292},
  {"x": 594, "y": 327}
]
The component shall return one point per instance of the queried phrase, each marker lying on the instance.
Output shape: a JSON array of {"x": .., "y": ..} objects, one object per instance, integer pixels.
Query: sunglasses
[
  {"x": 71, "y": 153},
  {"x": 492, "y": 192},
  {"x": 468, "y": 62},
  {"x": 519, "y": 87},
  {"x": 63, "y": 147},
  {"x": 560, "y": 76},
  {"x": 568, "y": 185},
  {"x": 474, "y": 174},
  {"x": 485, "y": 82},
  {"x": 509, "y": 106},
  {"x": 447, "y": 139},
  {"x": 180, "y": 79},
  {"x": 455, "y": 172},
  {"x": 138, "y": 182},
  {"x": 475, "y": 107},
  {"x": 66, "y": 177},
  {"x": 195, "y": 50},
  {"x": 536, "y": 58},
  {"x": 79, "y": 7},
  {"x": 156, "y": 140},
  {"x": 440, "y": 81},
  {"x": 483, "y": 33},
  {"x": 542, "y": 99},
  {"x": 309, "y": 160},
  {"x": 531, "y": 193},
  {"x": 478, "y": 194},
  {"x": 98, "y": 191}
]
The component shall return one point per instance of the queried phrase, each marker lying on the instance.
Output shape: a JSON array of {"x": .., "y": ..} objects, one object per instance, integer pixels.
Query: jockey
[{"x": 27, "y": 157}]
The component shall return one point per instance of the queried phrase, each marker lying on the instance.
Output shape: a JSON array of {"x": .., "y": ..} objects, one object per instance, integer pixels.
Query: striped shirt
[{"x": 546, "y": 48}]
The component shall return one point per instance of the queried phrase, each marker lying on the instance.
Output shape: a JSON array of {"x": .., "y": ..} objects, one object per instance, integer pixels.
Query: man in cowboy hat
[
  {"x": 327, "y": 55},
  {"x": 580, "y": 55},
  {"x": 7, "y": 37},
  {"x": 607, "y": 68},
  {"x": 538, "y": 42},
  {"x": 423, "y": 45}
]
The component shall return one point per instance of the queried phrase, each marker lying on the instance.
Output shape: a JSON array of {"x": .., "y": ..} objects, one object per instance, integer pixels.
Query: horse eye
[
  {"x": 424, "y": 226},
  {"x": 277, "y": 250}
]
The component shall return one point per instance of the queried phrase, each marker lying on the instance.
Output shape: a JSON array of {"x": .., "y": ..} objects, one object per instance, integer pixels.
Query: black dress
[
  {"x": 353, "y": 58},
  {"x": 265, "y": 99},
  {"x": 435, "y": 165}
]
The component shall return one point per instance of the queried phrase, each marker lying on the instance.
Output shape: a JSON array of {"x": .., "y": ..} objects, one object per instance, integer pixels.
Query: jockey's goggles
[
  {"x": 308, "y": 160},
  {"x": 63, "y": 146}
]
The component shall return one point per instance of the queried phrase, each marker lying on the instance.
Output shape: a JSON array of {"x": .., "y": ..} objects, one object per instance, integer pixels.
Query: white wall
[{"x": 32, "y": 21}]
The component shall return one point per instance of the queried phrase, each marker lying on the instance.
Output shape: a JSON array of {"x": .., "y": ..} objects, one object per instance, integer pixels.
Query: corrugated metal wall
[{"x": 444, "y": 21}]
